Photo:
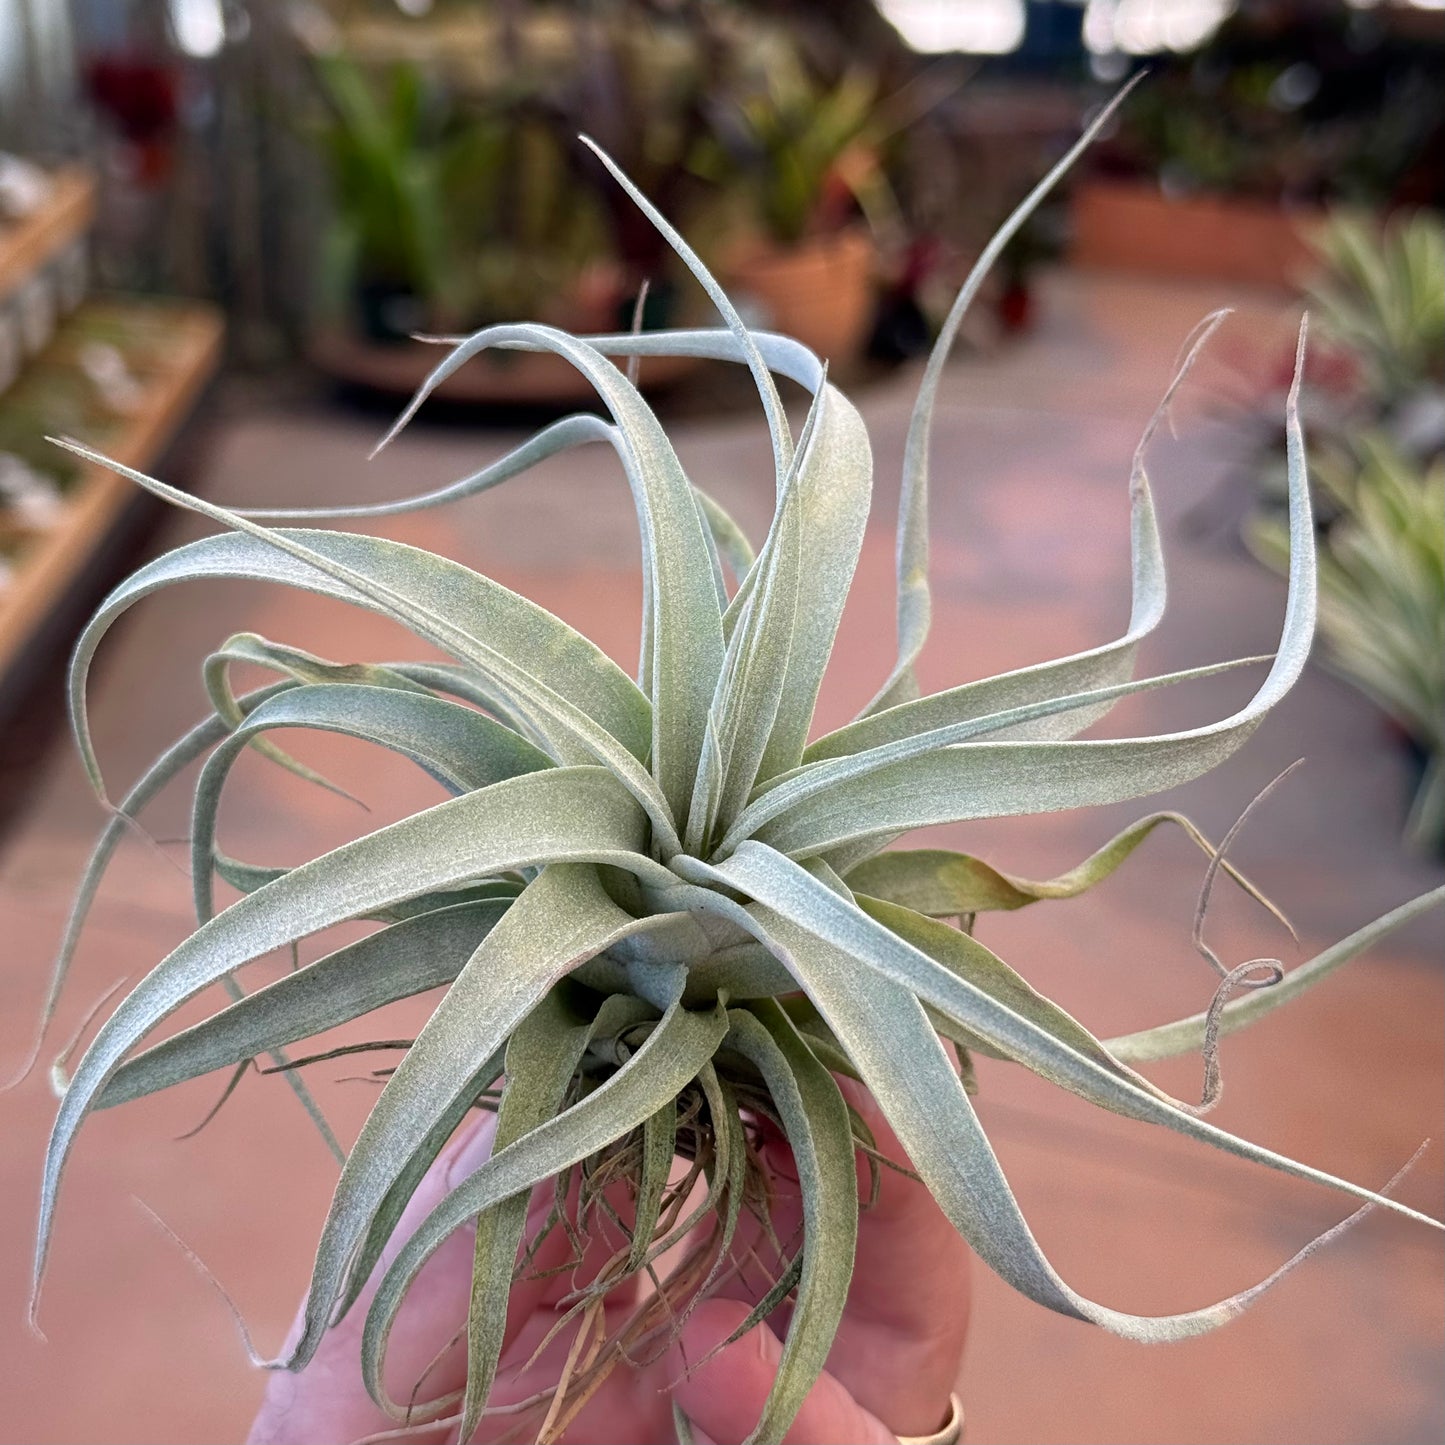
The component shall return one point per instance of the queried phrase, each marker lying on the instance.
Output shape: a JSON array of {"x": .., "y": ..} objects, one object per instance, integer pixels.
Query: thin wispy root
[{"x": 656, "y": 913}]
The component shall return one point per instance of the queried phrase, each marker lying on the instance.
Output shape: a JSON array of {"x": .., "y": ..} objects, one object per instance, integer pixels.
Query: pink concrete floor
[{"x": 1031, "y": 561}]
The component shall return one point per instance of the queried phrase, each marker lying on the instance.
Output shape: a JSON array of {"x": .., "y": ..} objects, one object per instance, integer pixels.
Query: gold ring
[{"x": 949, "y": 1433}]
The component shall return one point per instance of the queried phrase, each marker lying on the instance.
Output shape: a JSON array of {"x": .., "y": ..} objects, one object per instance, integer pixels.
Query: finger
[
  {"x": 327, "y": 1400},
  {"x": 605, "y": 1234},
  {"x": 760, "y": 1250},
  {"x": 900, "y": 1342},
  {"x": 724, "y": 1396}
]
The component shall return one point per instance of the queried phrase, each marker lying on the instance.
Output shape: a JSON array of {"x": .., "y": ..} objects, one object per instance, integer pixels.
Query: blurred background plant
[
  {"x": 459, "y": 194},
  {"x": 795, "y": 154},
  {"x": 1377, "y": 301},
  {"x": 1297, "y": 104},
  {"x": 1382, "y": 600},
  {"x": 445, "y": 215},
  {"x": 1376, "y": 418},
  {"x": 1380, "y": 295}
]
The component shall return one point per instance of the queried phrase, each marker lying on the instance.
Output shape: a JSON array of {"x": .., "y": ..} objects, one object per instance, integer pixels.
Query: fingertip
[{"x": 723, "y": 1388}]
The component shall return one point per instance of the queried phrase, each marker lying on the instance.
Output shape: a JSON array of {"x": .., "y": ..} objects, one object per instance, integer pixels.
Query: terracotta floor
[{"x": 1030, "y": 561}]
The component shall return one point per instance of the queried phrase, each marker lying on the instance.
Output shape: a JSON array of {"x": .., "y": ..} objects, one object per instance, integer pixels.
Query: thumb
[{"x": 723, "y": 1396}]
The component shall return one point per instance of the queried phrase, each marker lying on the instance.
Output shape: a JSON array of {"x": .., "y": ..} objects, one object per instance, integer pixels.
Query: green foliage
[
  {"x": 386, "y": 175},
  {"x": 1379, "y": 450},
  {"x": 1382, "y": 603},
  {"x": 1307, "y": 103},
  {"x": 1380, "y": 296},
  {"x": 784, "y": 145},
  {"x": 471, "y": 209},
  {"x": 628, "y": 885}
]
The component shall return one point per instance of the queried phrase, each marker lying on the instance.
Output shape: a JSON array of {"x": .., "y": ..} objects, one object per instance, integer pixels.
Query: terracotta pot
[
  {"x": 820, "y": 290},
  {"x": 393, "y": 364},
  {"x": 494, "y": 378},
  {"x": 1128, "y": 226}
]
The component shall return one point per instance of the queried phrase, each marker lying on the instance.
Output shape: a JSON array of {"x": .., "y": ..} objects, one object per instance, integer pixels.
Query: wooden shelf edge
[
  {"x": 96, "y": 500},
  {"x": 67, "y": 212}
]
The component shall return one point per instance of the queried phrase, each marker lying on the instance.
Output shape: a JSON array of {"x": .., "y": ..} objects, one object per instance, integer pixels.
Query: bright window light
[
  {"x": 1145, "y": 27},
  {"x": 199, "y": 27},
  {"x": 977, "y": 27},
  {"x": 1099, "y": 27}
]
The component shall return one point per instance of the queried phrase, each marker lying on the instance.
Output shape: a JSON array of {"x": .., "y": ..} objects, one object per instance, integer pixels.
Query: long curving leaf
[
  {"x": 683, "y": 642},
  {"x": 407, "y": 958},
  {"x": 1184, "y": 1035},
  {"x": 184, "y": 751},
  {"x": 561, "y": 814},
  {"x": 681, "y": 1044},
  {"x": 562, "y": 918},
  {"x": 792, "y": 896},
  {"x": 1046, "y": 682},
  {"x": 884, "y": 1028},
  {"x": 820, "y": 1135},
  {"x": 248, "y": 877},
  {"x": 541, "y": 1056},
  {"x": 915, "y": 606},
  {"x": 729, "y": 538},
  {"x": 562, "y": 435},
  {"x": 721, "y": 530},
  {"x": 425, "y": 593},
  {"x": 762, "y": 377},
  {"x": 943, "y": 884},
  {"x": 964, "y": 956},
  {"x": 823, "y": 778},
  {"x": 306, "y": 667},
  {"x": 123, "y": 816},
  {"x": 413, "y": 1170},
  {"x": 984, "y": 780},
  {"x": 751, "y": 687},
  {"x": 460, "y": 748},
  {"x": 250, "y": 647},
  {"x": 784, "y": 355},
  {"x": 835, "y": 481}
]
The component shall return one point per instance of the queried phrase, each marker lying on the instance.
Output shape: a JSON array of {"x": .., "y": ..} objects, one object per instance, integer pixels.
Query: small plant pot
[{"x": 820, "y": 290}]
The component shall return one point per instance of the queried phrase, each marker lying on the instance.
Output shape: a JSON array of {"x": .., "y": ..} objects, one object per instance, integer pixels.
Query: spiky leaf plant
[
  {"x": 1382, "y": 601},
  {"x": 661, "y": 915}
]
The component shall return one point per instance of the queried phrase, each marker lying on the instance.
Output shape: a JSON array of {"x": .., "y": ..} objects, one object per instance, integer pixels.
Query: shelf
[
  {"x": 93, "y": 503},
  {"x": 26, "y": 245}
]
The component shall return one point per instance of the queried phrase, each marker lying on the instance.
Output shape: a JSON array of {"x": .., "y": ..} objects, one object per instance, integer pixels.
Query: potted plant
[
  {"x": 1382, "y": 602},
  {"x": 1229, "y": 161},
  {"x": 795, "y": 157},
  {"x": 447, "y": 215},
  {"x": 1375, "y": 418},
  {"x": 462, "y": 198},
  {"x": 659, "y": 912}
]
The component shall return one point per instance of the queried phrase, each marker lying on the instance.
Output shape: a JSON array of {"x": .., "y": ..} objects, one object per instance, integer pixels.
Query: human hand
[{"x": 891, "y": 1369}]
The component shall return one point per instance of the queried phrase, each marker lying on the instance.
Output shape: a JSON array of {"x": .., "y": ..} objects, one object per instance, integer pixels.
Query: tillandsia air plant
[{"x": 660, "y": 914}]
